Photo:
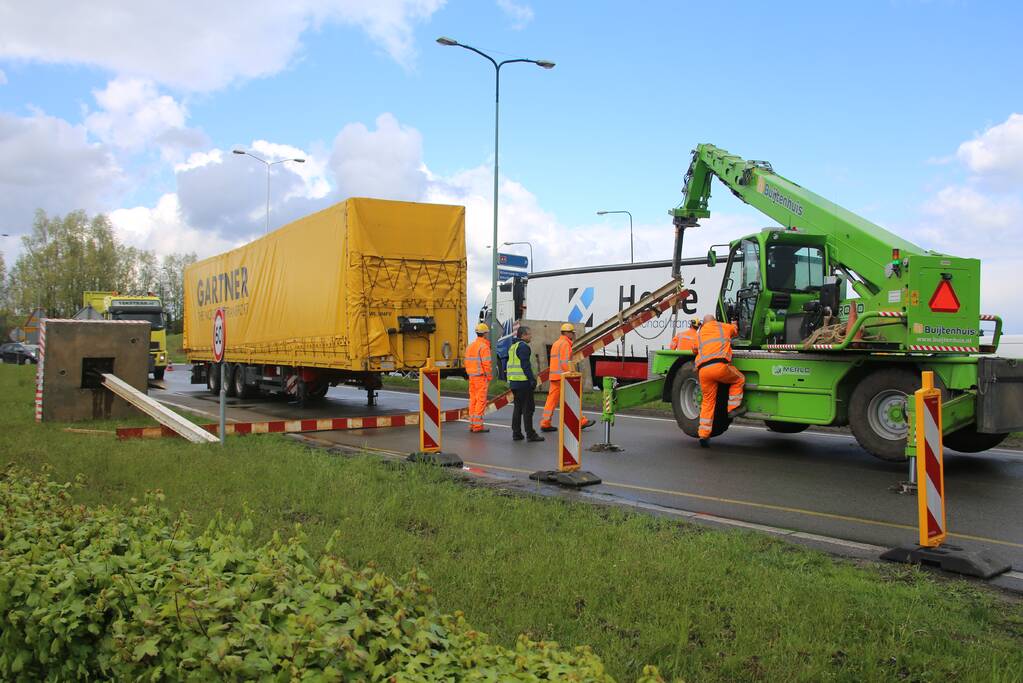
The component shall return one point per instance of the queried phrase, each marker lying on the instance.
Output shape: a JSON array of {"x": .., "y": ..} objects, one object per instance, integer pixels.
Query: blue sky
[{"x": 901, "y": 111}]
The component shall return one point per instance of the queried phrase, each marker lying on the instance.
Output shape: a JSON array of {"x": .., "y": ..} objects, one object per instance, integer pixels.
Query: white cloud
[
  {"x": 193, "y": 44},
  {"x": 163, "y": 229},
  {"x": 997, "y": 153},
  {"x": 385, "y": 163},
  {"x": 3, "y": 77},
  {"x": 50, "y": 164},
  {"x": 520, "y": 14},
  {"x": 133, "y": 116}
]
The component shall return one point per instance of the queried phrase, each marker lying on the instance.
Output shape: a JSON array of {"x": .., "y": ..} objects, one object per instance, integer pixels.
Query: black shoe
[
  {"x": 589, "y": 423},
  {"x": 704, "y": 443},
  {"x": 517, "y": 437},
  {"x": 548, "y": 429},
  {"x": 479, "y": 431},
  {"x": 736, "y": 412},
  {"x": 535, "y": 437}
]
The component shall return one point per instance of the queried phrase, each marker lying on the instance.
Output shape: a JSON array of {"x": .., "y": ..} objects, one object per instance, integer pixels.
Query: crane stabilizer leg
[{"x": 628, "y": 396}]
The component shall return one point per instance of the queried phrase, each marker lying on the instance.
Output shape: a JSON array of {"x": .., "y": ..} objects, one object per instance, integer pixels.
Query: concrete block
[{"x": 75, "y": 353}]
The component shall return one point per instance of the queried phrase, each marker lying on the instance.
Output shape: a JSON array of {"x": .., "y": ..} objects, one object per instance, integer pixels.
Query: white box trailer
[{"x": 594, "y": 294}]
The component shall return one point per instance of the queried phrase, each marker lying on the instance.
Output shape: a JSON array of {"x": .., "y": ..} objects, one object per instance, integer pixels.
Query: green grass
[
  {"x": 174, "y": 350},
  {"x": 702, "y": 605}
]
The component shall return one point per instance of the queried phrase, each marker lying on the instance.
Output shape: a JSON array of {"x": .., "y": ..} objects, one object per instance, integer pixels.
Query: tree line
[{"x": 64, "y": 256}]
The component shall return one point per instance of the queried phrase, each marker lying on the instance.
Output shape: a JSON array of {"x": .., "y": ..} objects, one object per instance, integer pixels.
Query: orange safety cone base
[
  {"x": 575, "y": 479},
  {"x": 950, "y": 558}
]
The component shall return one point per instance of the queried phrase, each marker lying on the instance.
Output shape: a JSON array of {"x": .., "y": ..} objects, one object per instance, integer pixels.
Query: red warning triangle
[{"x": 944, "y": 299}]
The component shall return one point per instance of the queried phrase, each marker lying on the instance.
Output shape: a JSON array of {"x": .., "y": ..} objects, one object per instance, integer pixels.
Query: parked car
[{"x": 16, "y": 352}]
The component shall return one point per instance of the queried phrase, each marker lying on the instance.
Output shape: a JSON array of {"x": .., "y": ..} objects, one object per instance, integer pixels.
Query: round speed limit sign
[{"x": 219, "y": 335}]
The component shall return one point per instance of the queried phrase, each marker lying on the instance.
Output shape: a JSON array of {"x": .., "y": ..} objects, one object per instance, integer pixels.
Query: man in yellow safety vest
[{"x": 561, "y": 362}]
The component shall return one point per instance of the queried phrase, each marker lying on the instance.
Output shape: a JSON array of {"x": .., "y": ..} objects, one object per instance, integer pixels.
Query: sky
[{"x": 908, "y": 112}]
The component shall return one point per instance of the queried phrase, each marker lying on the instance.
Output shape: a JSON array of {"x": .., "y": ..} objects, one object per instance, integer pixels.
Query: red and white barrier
[
  {"x": 930, "y": 465},
  {"x": 39, "y": 370},
  {"x": 570, "y": 423},
  {"x": 429, "y": 410},
  {"x": 329, "y": 424}
]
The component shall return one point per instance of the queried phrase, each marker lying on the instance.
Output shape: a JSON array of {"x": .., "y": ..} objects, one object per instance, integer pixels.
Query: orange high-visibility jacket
[
  {"x": 477, "y": 358},
  {"x": 715, "y": 342},
  {"x": 686, "y": 340},
  {"x": 561, "y": 357}
]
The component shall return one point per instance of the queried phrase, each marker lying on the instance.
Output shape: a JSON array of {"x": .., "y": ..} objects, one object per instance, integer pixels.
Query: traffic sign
[
  {"x": 219, "y": 335},
  {"x": 513, "y": 261},
  {"x": 944, "y": 299},
  {"x": 503, "y": 274}
]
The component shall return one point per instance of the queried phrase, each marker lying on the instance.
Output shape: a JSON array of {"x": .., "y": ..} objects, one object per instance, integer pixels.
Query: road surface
[{"x": 817, "y": 483}]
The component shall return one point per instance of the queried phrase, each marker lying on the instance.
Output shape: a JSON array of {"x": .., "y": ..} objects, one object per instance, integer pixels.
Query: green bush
[{"x": 95, "y": 593}]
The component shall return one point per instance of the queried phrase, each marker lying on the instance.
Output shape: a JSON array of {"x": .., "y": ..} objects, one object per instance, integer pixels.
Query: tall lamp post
[
  {"x": 632, "y": 253},
  {"x": 528, "y": 244},
  {"x": 543, "y": 64},
  {"x": 268, "y": 164}
]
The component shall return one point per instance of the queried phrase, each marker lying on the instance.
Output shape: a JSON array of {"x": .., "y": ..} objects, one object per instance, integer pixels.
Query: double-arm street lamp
[
  {"x": 632, "y": 253},
  {"x": 268, "y": 164},
  {"x": 528, "y": 244},
  {"x": 544, "y": 64}
]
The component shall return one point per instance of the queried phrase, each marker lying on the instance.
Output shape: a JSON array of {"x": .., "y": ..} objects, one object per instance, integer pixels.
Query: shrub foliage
[{"x": 98, "y": 593}]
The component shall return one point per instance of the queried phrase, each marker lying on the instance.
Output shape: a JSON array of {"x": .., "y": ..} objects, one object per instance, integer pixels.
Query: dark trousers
[{"x": 522, "y": 415}]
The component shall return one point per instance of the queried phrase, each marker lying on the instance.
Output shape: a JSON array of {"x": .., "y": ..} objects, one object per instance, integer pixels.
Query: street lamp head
[
  {"x": 544, "y": 64},
  {"x": 602, "y": 213},
  {"x": 238, "y": 151},
  {"x": 444, "y": 40},
  {"x": 299, "y": 161}
]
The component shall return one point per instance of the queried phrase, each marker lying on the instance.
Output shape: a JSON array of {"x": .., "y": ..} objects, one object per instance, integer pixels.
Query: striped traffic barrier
[
  {"x": 926, "y": 430},
  {"x": 569, "y": 472},
  {"x": 328, "y": 424},
  {"x": 430, "y": 418},
  {"x": 39, "y": 370}
]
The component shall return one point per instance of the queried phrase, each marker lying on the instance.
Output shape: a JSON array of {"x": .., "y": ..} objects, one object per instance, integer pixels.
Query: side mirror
[{"x": 712, "y": 258}]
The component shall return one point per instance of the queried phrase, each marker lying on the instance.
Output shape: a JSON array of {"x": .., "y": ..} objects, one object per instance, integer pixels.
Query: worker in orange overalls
[
  {"x": 478, "y": 367},
  {"x": 687, "y": 339},
  {"x": 561, "y": 362},
  {"x": 714, "y": 364}
]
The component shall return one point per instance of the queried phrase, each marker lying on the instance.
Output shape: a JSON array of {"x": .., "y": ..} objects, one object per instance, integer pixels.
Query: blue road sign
[
  {"x": 505, "y": 274},
  {"x": 513, "y": 261}
]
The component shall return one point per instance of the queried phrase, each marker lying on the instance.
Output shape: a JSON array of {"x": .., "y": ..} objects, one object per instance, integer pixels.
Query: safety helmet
[
  {"x": 482, "y": 328},
  {"x": 568, "y": 327},
  {"x": 694, "y": 322}
]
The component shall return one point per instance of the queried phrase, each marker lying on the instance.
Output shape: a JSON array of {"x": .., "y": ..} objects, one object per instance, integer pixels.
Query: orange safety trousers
[
  {"x": 477, "y": 401},
  {"x": 552, "y": 404},
  {"x": 710, "y": 377}
]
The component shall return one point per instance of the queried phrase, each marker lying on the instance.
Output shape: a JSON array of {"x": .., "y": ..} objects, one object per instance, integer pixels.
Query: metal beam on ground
[{"x": 157, "y": 411}]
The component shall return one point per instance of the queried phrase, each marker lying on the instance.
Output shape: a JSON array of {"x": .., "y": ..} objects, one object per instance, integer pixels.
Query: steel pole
[
  {"x": 632, "y": 251},
  {"x": 267, "y": 230},
  {"x": 494, "y": 336},
  {"x": 223, "y": 401}
]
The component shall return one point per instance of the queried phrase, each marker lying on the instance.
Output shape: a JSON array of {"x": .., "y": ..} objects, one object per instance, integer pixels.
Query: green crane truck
[{"x": 837, "y": 317}]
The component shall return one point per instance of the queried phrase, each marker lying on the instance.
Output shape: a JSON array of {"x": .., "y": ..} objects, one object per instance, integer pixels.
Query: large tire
[
  {"x": 241, "y": 389},
  {"x": 231, "y": 367},
  {"x": 685, "y": 403},
  {"x": 785, "y": 427},
  {"x": 158, "y": 373},
  {"x": 969, "y": 440},
  {"x": 877, "y": 412},
  {"x": 213, "y": 378},
  {"x": 319, "y": 391}
]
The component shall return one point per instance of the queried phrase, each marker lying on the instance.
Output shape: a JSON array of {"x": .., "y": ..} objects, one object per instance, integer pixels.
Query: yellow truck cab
[{"x": 148, "y": 307}]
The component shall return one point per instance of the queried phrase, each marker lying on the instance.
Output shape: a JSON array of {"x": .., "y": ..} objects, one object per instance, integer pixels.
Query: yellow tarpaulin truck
[
  {"x": 364, "y": 287},
  {"x": 145, "y": 307}
]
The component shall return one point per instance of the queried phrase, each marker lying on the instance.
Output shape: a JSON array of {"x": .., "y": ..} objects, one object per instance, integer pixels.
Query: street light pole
[
  {"x": 268, "y": 164},
  {"x": 632, "y": 252},
  {"x": 528, "y": 244},
  {"x": 544, "y": 64}
]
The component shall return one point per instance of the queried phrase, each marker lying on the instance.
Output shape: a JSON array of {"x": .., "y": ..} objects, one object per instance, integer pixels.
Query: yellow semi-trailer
[{"x": 364, "y": 287}]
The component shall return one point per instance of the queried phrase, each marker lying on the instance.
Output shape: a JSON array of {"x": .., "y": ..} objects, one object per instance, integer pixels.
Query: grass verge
[
  {"x": 701, "y": 605},
  {"x": 174, "y": 350}
]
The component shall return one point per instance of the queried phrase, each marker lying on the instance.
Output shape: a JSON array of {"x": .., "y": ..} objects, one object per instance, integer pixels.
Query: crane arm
[{"x": 854, "y": 243}]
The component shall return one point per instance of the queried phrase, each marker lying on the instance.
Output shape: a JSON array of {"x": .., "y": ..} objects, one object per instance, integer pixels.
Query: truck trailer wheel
[
  {"x": 213, "y": 378},
  {"x": 241, "y": 389},
  {"x": 785, "y": 427},
  {"x": 232, "y": 371},
  {"x": 158, "y": 373},
  {"x": 969, "y": 440},
  {"x": 685, "y": 403},
  {"x": 877, "y": 412}
]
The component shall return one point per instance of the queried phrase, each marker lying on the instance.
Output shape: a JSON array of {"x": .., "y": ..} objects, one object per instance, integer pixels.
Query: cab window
[{"x": 794, "y": 268}]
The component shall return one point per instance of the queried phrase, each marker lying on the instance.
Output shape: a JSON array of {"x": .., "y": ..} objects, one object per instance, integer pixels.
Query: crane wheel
[
  {"x": 969, "y": 440},
  {"x": 784, "y": 427},
  {"x": 686, "y": 398},
  {"x": 877, "y": 412}
]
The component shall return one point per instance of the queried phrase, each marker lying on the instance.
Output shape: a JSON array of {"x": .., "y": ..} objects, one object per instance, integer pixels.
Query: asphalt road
[{"x": 814, "y": 482}]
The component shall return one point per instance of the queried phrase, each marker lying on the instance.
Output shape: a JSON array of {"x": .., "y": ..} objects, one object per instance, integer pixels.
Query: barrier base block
[
  {"x": 605, "y": 448},
  {"x": 440, "y": 459},
  {"x": 574, "y": 480},
  {"x": 950, "y": 558}
]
